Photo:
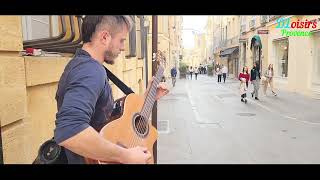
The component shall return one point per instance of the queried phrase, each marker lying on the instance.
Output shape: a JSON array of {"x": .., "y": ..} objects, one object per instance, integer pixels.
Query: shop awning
[{"x": 229, "y": 51}]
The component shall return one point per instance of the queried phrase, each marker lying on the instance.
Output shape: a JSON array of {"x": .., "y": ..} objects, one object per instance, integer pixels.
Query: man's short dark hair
[{"x": 92, "y": 24}]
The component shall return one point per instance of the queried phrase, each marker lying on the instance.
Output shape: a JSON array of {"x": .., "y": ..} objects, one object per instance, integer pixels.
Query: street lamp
[{"x": 174, "y": 28}]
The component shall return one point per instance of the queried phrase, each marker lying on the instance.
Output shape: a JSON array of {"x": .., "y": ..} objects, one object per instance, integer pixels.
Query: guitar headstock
[{"x": 159, "y": 57}]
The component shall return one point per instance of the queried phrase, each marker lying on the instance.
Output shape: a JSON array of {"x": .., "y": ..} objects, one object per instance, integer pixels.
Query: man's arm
[
  {"x": 88, "y": 143},
  {"x": 73, "y": 118}
]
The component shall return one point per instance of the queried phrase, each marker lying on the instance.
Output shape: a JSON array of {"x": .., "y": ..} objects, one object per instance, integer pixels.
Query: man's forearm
[{"x": 90, "y": 144}]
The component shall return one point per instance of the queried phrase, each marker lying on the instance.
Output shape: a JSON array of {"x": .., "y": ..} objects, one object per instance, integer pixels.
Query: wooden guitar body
[{"x": 130, "y": 129}]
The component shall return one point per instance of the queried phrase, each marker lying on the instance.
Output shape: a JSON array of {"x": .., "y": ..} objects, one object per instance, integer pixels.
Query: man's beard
[{"x": 109, "y": 57}]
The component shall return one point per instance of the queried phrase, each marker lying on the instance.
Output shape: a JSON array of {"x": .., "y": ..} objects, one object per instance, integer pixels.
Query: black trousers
[
  {"x": 196, "y": 75},
  {"x": 224, "y": 77},
  {"x": 219, "y": 77}
]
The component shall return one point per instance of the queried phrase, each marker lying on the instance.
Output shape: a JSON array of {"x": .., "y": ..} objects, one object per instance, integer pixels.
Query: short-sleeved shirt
[{"x": 84, "y": 98}]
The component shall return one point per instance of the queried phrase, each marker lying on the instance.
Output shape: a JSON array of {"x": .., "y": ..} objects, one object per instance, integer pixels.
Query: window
[
  {"x": 132, "y": 38},
  {"x": 264, "y": 19},
  {"x": 281, "y": 55},
  {"x": 252, "y": 22},
  {"x": 243, "y": 20},
  {"x": 316, "y": 59},
  {"x": 165, "y": 24},
  {"x": 243, "y": 23},
  {"x": 226, "y": 32},
  {"x": 244, "y": 50},
  {"x": 37, "y": 27}
]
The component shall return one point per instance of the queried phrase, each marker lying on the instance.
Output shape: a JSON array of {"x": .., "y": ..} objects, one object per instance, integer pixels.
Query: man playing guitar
[{"x": 84, "y": 96}]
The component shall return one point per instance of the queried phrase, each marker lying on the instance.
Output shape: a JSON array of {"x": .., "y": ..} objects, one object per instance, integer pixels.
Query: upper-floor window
[{"x": 37, "y": 27}]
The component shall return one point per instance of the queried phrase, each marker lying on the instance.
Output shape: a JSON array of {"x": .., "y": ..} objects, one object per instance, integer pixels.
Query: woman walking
[
  {"x": 269, "y": 80},
  {"x": 244, "y": 77}
]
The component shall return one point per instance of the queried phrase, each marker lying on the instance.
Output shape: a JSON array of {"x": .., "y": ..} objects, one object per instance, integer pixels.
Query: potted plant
[
  {"x": 183, "y": 70},
  {"x": 210, "y": 70}
]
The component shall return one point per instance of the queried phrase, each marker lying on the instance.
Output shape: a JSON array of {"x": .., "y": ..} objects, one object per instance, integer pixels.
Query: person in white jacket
[
  {"x": 196, "y": 72},
  {"x": 224, "y": 73},
  {"x": 219, "y": 73}
]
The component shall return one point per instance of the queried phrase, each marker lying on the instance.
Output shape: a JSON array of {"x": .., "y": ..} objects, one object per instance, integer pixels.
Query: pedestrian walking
[
  {"x": 173, "y": 75},
  {"x": 219, "y": 73},
  {"x": 191, "y": 72},
  {"x": 255, "y": 80},
  {"x": 224, "y": 73},
  {"x": 268, "y": 80},
  {"x": 196, "y": 72},
  {"x": 244, "y": 77}
]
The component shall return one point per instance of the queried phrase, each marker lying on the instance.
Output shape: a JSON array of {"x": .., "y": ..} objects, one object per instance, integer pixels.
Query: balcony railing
[
  {"x": 252, "y": 23},
  {"x": 243, "y": 28},
  {"x": 229, "y": 42},
  {"x": 264, "y": 19},
  {"x": 233, "y": 41},
  {"x": 274, "y": 17}
]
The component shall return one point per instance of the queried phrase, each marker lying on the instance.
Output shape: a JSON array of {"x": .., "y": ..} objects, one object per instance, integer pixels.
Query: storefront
[
  {"x": 230, "y": 56},
  {"x": 295, "y": 59},
  {"x": 281, "y": 48},
  {"x": 316, "y": 62}
]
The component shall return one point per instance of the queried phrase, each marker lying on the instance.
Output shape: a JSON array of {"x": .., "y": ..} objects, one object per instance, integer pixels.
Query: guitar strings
[{"x": 142, "y": 124}]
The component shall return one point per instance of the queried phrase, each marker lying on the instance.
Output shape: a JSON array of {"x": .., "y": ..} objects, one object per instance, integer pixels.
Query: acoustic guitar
[{"x": 133, "y": 126}]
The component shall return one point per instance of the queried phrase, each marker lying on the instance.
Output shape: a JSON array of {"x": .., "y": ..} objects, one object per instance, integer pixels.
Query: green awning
[{"x": 256, "y": 41}]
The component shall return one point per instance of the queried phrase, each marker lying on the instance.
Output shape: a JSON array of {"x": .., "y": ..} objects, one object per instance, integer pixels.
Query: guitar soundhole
[{"x": 140, "y": 125}]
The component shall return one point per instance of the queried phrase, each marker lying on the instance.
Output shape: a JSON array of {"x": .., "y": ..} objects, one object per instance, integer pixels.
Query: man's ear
[{"x": 106, "y": 37}]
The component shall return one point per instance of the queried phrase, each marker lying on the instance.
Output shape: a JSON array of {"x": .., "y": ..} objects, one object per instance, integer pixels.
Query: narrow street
[{"x": 201, "y": 121}]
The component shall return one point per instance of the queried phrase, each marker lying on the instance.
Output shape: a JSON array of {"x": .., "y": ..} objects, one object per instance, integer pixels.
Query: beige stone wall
[
  {"x": 11, "y": 33},
  {"x": 169, "y": 40},
  {"x": 28, "y": 86}
]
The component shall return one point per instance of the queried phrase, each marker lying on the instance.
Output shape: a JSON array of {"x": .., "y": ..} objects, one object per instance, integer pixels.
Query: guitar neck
[{"x": 151, "y": 95}]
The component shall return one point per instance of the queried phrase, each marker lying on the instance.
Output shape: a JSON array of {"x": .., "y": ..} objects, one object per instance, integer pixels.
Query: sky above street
[{"x": 191, "y": 23}]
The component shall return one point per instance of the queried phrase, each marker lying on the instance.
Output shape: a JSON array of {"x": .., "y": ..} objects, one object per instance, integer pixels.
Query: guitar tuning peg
[{"x": 154, "y": 55}]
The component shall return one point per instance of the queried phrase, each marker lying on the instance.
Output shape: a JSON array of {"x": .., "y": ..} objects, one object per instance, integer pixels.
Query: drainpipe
[
  {"x": 1, "y": 148},
  {"x": 146, "y": 53},
  {"x": 56, "y": 38},
  {"x": 154, "y": 69},
  {"x": 48, "y": 44}
]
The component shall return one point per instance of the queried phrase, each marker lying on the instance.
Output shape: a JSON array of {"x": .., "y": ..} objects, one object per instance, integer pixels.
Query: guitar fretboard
[{"x": 151, "y": 95}]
